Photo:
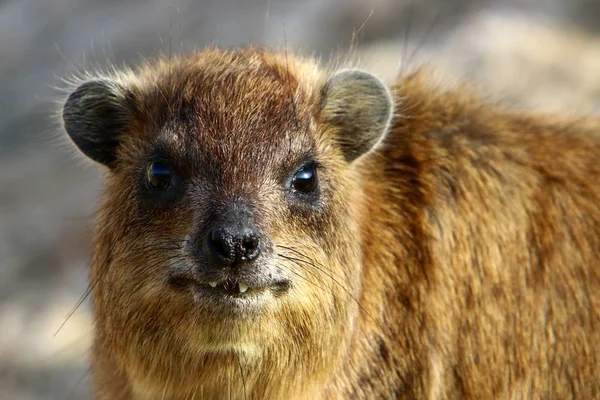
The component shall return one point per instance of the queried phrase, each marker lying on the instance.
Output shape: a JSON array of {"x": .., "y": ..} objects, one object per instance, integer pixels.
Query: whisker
[
  {"x": 147, "y": 254},
  {"x": 309, "y": 259},
  {"x": 304, "y": 262},
  {"x": 354, "y": 40},
  {"x": 404, "y": 59},
  {"x": 426, "y": 36},
  {"x": 305, "y": 278},
  {"x": 354, "y": 299},
  {"x": 72, "y": 311}
]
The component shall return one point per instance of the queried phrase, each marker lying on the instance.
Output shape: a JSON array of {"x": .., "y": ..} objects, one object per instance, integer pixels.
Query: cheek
[
  {"x": 133, "y": 293},
  {"x": 322, "y": 304},
  {"x": 138, "y": 246},
  {"x": 321, "y": 262},
  {"x": 319, "y": 245}
]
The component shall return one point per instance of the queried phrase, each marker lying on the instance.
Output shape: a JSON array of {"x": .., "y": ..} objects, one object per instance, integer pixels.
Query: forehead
[{"x": 237, "y": 108}]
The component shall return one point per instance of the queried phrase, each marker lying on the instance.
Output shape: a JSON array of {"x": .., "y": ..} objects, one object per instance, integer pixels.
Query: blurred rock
[{"x": 527, "y": 62}]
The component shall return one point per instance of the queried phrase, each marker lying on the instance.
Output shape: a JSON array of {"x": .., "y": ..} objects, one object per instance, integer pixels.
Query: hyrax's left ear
[{"x": 358, "y": 108}]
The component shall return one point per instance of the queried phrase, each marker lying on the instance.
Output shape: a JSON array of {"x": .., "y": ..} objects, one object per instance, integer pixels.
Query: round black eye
[
  {"x": 305, "y": 180},
  {"x": 158, "y": 176}
]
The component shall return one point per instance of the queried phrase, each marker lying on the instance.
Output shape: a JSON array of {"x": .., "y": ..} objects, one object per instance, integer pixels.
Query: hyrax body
[{"x": 272, "y": 230}]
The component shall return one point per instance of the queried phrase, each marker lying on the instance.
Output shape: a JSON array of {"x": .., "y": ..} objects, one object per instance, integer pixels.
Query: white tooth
[
  {"x": 243, "y": 288},
  {"x": 213, "y": 284}
]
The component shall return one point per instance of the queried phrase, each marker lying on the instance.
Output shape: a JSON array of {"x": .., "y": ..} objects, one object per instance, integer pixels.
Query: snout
[
  {"x": 231, "y": 259},
  {"x": 233, "y": 245}
]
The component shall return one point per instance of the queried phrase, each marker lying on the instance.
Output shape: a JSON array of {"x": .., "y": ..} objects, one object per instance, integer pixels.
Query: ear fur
[
  {"x": 95, "y": 115},
  {"x": 359, "y": 106}
]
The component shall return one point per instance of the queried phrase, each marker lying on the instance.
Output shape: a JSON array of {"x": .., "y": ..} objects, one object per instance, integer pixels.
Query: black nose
[{"x": 228, "y": 247}]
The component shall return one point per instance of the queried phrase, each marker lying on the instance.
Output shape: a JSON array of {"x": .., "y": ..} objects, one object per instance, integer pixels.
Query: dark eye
[
  {"x": 158, "y": 176},
  {"x": 305, "y": 179}
]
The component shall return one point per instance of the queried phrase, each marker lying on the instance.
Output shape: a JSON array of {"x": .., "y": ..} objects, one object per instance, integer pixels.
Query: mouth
[
  {"x": 232, "y": 292},
  {"x": 238, "y": 289}
]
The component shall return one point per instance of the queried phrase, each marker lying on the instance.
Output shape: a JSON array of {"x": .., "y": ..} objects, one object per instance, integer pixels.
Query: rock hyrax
[{"x": 271, "y": 229}]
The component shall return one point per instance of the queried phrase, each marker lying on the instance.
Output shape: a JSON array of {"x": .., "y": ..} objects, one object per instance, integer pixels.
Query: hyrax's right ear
[
  {"x": 358, "y": 108},
  {"x": 94, "y": 116}
]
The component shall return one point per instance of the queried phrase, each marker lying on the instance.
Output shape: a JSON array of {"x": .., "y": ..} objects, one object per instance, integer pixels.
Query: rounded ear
[
  {"x": 359, "y": 107},
  {"x": 94, "y": 116}
]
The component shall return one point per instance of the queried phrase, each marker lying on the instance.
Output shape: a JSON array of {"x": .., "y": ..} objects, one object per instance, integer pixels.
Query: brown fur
[{"x": 458, "y": 259}]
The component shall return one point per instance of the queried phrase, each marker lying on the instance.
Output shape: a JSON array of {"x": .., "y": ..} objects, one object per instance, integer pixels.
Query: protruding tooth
[
  {"x": 243, "y": 288},
  {"x": 213, "y": 284}
]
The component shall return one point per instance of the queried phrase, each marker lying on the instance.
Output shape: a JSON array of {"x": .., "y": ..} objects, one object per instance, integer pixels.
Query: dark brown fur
[{"x": 459, "y": 258}]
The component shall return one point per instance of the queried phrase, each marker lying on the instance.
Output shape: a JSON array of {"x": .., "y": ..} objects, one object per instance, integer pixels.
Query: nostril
[
  {"x": 250, "y": 243},
  {"x": 250, "y": 247},
  {"x": 220, "y": 246}
]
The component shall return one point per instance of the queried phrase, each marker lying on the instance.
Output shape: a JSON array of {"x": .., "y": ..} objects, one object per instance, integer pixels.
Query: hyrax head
[{"x": 231, "y": 199}]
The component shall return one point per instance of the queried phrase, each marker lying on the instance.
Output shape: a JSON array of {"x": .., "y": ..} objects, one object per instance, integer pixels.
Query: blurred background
[{"x": 534, "y": 54}]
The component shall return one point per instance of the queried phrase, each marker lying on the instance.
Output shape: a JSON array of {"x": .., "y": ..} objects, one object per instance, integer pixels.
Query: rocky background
[{"x": 536, "y": 54}]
